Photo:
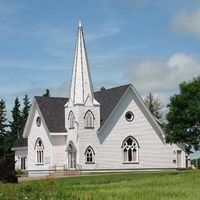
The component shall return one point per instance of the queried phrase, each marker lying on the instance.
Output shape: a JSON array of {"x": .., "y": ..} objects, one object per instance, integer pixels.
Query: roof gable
[
  {"x": 148, "y": 115},
  {"x": 53, "y": 110},
  {"x": 108, "y": 100}
]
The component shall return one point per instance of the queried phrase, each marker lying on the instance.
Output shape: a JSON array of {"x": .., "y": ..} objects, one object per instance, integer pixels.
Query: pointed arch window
[
  {"x": 71, "y": 120},
  {"x": 89, "y": 155},
  {"x": 130, "y": 150},
  {"x": 39, "y": 148},
  {"x": 89, "y": 119}
]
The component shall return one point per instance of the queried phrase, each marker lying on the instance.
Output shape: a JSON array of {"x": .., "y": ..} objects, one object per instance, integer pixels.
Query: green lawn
[{"x": 134, "y": 185}]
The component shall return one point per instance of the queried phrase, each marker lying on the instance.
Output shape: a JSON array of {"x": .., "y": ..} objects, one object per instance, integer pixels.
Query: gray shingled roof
[
  {"x": 52, "y": 109},
  {"x": 20, "y": 142},
  {"x": 53, "y": 112},
  {"x": 108, "y": 100}
]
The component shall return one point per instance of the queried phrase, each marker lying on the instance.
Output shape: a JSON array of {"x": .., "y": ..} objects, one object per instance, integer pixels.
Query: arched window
[
  {"x": 89, "y": 155},
  {"x": 39, "y": 148},
  {"x": 130, "y": 150},
  {"x": 71, "y": 120},
  {"x": 89, "y": 119}
]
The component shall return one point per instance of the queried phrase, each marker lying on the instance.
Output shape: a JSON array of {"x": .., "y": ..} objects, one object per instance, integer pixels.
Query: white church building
[{"x": 107, "y": 130}]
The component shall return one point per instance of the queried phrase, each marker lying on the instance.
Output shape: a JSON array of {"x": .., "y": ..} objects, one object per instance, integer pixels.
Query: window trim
[
  {"x": 132, "y": 138},
  {"x": 85, "y": 117},
  {"x": 70, "y": 116},
  {"x": 137, "y": 151},
  {"x": 38, "y": 121},
  {"x": 93, "y": 155},
  {"x": 87, "y": 112},
  {"x": 133, "y": 116},
  {"x": 130, "y": 162},
  {"x": 89, "y": 127},
  {"x": 37, "y": 150},
  {"x": 23, "y": 163}
]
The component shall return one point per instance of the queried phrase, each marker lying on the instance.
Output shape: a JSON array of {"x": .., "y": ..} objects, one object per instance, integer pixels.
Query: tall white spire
[{"x": 81, "y": 83}]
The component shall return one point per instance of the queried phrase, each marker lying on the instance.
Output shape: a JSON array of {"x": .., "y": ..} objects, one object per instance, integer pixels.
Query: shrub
[
  {"x": 20, "y": 172},
  {"x": 196, "y": 163},
  {"x": 7, "y": 170}
]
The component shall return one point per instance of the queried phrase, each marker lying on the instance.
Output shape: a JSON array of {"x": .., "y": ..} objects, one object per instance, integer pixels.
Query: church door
[
  {"x": 72, "y": 160},
  {"x": 71, "y": 149}
]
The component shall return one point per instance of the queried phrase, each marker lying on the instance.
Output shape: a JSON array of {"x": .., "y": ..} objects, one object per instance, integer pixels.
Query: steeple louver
[{"x": 81, "y": 83}]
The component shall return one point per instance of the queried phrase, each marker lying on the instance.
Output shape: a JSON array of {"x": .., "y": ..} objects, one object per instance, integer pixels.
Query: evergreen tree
[
  {"x": 154, "y": 105},
  {"x": 3, "y": 126},
  {"x": 16, "y": 124},
  {"x": 3, "y": 119},
  {"x": 15, "y": 127},
  {"x": 25, "y": 110},
  {"x": 47, "y": 93}
]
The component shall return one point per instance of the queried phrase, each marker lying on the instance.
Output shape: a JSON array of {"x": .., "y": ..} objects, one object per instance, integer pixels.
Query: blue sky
[{"x": 153, "y": 44}]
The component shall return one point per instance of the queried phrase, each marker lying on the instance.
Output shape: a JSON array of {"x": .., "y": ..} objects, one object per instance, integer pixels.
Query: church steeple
[{"x": 81, "y": 83}]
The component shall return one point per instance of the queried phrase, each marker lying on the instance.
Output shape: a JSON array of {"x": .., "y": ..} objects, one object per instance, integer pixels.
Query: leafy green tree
[
  {"x": 47, "y": 93},
  {"x": 154, "y": 105},
  {"x": 184, "y": 115},
  {"x": 3, "y": 125},
  {"x": 25, "y": 110}
]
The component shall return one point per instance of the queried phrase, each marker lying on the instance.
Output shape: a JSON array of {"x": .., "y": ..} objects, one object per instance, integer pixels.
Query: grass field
[{"x": 134, "y": 185}]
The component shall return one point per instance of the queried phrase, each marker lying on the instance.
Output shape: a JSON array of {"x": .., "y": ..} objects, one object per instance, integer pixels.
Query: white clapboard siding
[
  {"x": 153, "y": 153},
  {"x": 59, "y": 157},
  {"x": 20, "y": 152},
  {"x": 35, "y": 133}
]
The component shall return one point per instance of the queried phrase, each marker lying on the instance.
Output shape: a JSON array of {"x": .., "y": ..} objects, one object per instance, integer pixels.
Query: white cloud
[
  {"x": 187, "y": 22},
  {"x": 163, "y": 77},
  {"x": 105, "y": 31},
  {"x": 57, "y": 41},
  {"x": 183, "y": 66},
  {"x": 61, "y": 90}
]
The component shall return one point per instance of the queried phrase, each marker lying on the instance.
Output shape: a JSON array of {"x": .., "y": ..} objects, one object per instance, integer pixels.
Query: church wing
[{"x": 138, "y": 100}]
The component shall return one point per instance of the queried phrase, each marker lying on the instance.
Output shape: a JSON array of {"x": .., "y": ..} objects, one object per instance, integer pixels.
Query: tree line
[{"x": 11, "y": 130}]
